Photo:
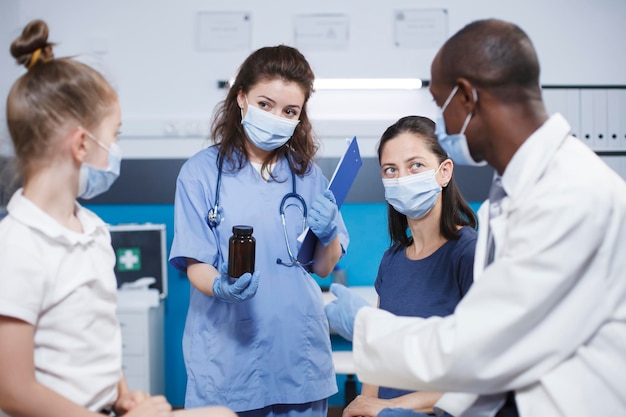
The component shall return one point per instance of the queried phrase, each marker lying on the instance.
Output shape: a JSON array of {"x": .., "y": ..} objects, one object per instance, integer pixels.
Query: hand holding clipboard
[{"x": 340, "y": 184}]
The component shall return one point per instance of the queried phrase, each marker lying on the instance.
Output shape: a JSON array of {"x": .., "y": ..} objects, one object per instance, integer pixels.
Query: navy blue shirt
[{"x": 432, "y": 286}]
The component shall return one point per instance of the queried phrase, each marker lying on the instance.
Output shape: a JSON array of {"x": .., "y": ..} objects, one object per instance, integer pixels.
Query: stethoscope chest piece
[{"x": 214, "y": 217}]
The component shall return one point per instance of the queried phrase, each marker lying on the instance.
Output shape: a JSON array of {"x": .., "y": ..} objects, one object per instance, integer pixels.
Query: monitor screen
[{"x": 140, "y": 253}]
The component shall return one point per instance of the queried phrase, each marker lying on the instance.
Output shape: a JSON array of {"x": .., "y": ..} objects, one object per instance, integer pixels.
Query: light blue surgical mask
[
  {"x": 265, "y": 130},
  {"x": 93, "y": 181},
  {"x": 455, "y": 145},
  {"x": 414, "y": 195}
]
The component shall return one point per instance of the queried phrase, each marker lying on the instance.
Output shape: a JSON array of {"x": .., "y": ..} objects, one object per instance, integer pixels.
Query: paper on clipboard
[{"x": 340, "y": 184}]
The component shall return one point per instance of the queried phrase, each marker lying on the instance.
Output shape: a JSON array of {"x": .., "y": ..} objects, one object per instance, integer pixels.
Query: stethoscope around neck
[{"x": 214, "y": 216}]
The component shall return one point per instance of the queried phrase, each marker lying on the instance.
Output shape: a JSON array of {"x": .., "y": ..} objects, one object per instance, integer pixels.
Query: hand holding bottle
[{"x": 232, "y": 290}]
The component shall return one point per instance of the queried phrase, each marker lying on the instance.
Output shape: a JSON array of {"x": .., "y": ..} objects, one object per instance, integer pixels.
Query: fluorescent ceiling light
[{"x": 368, "y": 84}]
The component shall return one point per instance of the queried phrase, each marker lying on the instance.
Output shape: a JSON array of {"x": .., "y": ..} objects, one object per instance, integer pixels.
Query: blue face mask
[
  {"x": 455, "y": 145},
  {"x": 266, "y": 131},
  {"x": 414, "y": 195},
  {"x": 94, "y": 181}
]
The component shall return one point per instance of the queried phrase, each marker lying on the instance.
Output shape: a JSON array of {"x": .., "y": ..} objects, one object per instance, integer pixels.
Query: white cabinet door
[{"x": 143, "y": 362}]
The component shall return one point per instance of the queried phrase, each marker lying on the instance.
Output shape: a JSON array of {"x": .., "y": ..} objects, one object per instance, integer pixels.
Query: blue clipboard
[{"x": 340, "y": 184}]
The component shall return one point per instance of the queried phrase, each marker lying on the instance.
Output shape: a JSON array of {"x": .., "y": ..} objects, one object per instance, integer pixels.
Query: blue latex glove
[
  {"x": 321, "y": 217},
  {"x": 231, "y": 290},
  {"x": 342, "y": 311}
]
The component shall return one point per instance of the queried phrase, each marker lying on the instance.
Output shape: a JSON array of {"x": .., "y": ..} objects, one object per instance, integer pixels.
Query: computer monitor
[{"x": 140, "y": 252}]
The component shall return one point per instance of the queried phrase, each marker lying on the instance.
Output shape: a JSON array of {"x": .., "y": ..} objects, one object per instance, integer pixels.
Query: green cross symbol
[{"x": 128, "y": 259}]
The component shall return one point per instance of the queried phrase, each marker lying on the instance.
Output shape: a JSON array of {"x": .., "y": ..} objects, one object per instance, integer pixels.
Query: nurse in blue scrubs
[{"x": 258, "y": 344}]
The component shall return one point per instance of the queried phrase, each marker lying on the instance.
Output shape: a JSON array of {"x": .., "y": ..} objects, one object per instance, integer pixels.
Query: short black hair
[{"x": 492, "y": 54}]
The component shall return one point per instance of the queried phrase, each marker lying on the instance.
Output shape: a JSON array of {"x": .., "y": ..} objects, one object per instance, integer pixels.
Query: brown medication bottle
[{"x": 241, "y": 250}]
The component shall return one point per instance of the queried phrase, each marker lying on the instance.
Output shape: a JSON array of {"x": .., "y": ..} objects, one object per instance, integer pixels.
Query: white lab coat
[{"x": 547, "y": 318}]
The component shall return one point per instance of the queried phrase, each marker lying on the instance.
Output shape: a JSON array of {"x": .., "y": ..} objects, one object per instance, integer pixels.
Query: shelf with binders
[{"x": 597, "y": 115}]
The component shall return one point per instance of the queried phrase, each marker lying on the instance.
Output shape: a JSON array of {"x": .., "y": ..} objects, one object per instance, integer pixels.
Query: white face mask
[
  {"x": 93, "y": 181},
  {"x": 455, "y": 145},
  {"x": 414, "y": 195},
  {"x": 266, "y": 131}
]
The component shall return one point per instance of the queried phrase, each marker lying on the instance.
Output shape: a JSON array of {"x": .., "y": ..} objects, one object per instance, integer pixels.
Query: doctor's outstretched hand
[
  {"x": 321, "y": 217},
  {"x": 342, "y": 311},
  {"x": 232, "y": 290}
]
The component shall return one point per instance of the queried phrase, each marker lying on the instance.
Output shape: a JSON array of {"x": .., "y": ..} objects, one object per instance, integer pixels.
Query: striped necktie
[{"x": 496, "y": 194}]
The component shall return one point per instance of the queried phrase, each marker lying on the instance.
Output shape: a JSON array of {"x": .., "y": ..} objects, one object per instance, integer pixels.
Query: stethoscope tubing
[{"x": 214, "y": 217}]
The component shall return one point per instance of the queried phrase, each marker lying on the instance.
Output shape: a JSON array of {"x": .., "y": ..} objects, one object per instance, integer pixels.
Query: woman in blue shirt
[
  {"x": 425, "y": 272},
  {"x": 259, "y": 344}
]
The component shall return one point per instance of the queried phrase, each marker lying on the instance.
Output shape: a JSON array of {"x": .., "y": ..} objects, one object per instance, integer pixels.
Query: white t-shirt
[{"x": 63, "y": 283}]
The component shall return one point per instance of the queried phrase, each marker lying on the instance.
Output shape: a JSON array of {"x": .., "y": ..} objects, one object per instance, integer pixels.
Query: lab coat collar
[
  {"x": 26, "y": 212},
  {"x": 527, "y": 165},
  {"x": 532, "y": 158}
]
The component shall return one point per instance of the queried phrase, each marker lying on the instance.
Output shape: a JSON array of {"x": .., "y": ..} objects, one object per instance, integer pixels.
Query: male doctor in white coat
[{"x": 542, "y": 332}]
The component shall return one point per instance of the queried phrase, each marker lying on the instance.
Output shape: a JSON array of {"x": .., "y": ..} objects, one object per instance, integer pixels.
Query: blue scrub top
[{"x": 274, "y": 348}]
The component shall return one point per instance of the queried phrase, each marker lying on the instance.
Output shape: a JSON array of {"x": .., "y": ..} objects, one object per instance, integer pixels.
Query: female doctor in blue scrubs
[{"x": 258, "y": 344}]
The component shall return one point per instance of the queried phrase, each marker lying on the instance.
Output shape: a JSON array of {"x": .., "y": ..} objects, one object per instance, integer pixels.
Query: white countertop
[
  {"x": 137, "y": 299},
  {"x": 367, "y": 291}
]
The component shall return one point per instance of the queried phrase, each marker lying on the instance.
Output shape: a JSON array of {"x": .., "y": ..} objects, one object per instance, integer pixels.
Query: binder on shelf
[
  {"x": 572, "y": 112},
  {"x": 622, "y": 133},
  {"x": 340, "y": 184},
  {"x": 600, "y": 122},
  {"x": 614, "y": 119},
  {"x": 587, "y": 118}
]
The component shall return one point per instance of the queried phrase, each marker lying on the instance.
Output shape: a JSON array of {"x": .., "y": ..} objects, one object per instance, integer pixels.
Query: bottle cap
[{"x": 242, "y": 229}]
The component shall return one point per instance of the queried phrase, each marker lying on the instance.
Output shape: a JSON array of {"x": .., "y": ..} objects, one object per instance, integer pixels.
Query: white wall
[
  {"x": 9, "y": 15},
  {"x": 168, "y": 88}
]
